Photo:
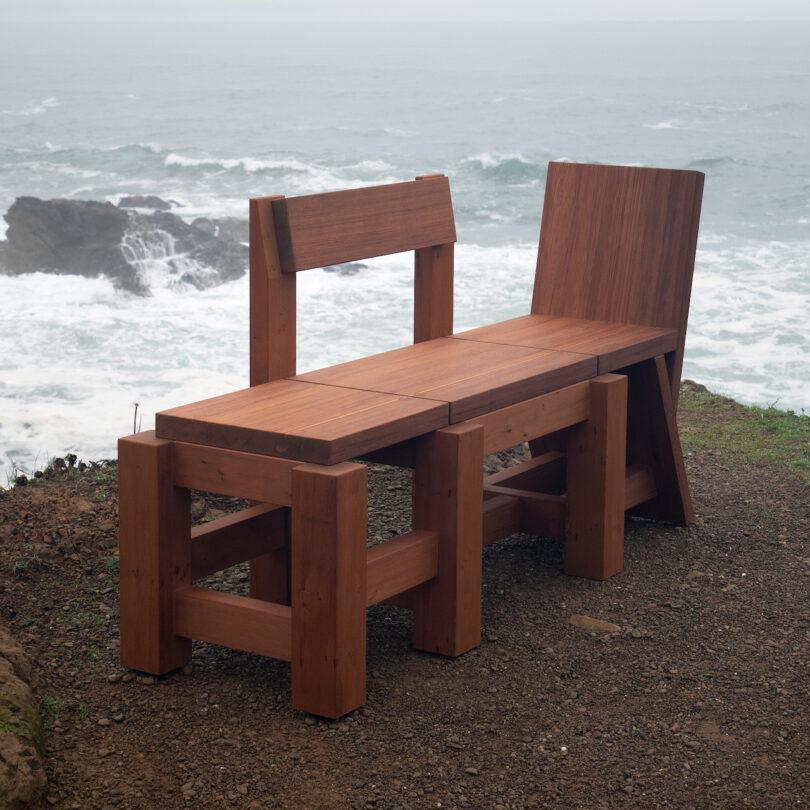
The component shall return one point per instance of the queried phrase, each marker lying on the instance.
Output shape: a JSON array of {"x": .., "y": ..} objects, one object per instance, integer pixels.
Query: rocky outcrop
[
  {"x": 133, "y": 249},
  {"x": 22, "y": 776},
  {"x": 146, "y": 201},
  {"x": 67, "y": 236}
]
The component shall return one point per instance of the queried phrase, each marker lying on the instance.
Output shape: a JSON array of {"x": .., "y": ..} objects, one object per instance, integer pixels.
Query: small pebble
[
  {"x": 114, "y": 678},
  {"x": 471, "y": 771},
  {"x": 105, "y": 721}
]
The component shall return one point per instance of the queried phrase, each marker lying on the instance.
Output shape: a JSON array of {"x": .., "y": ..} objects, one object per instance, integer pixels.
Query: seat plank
[
  {"x": 473, "y": 377},
  {"x": 312, "y": 423},
  {"x": 616, "y": 345}
]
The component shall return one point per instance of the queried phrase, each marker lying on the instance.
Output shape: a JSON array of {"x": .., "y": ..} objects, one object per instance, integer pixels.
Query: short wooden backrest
[
  {"x": 288, "y": 235},
  {"x": 345, "y": 226},
  {"x": 617, "y": 243}
]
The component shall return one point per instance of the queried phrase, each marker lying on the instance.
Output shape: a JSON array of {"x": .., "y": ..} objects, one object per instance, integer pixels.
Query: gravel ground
[{"x": 682, "y": 682}]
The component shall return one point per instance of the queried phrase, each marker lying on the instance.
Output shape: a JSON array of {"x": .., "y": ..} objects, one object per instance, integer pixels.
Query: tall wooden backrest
[
  {"x": 617, "y": 243},
  {"x": 317, "y": 230}
]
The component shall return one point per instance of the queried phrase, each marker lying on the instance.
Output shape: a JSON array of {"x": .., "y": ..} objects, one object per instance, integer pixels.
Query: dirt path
[{"x": 701, "y": 698}]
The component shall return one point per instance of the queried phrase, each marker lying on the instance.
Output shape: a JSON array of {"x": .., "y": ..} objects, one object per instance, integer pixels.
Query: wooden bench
[{"x": 286, "y": 444}]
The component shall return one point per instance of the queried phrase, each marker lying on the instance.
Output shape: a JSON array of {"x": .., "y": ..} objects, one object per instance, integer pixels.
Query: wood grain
[
  {"x": 447, "y": 499},
  {"x": 472, "y": 377},
  {"x": 272, "y": 300},
  {"x": 501, "y": 517},
  {"x": 329, "y": 588},
  {"x": 401, "y": 564},
  {"x": 154, "y": 557},
  {"x": 317, "y": 230},
  {"x": 233, "y": 621},
  {"x": 235, "y": 538},
  {"x": 614, "y": 344},
  {"x": 595, "y": 487},
  {"x": 655, "y": 443},
  {"x": 514, "y": 424},
  {"x": 433, "y": 292},
  {"x": 617, "y": 243},
  {"x": 228, "y": 472},
  {"x": 298, "y": 420}
]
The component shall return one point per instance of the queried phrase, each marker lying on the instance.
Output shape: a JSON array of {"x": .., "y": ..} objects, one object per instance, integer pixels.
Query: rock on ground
[{"x": 22, "y": 776}]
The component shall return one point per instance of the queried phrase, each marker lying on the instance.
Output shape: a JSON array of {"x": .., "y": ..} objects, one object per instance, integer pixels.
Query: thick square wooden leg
[
  {"x": 447, "y": 498},
  {"x": 328, "y": 588},
  {"x": 270, "y": 573},
  {"x": 594, "y": 535},
  {"x": 154, "y": 546}
]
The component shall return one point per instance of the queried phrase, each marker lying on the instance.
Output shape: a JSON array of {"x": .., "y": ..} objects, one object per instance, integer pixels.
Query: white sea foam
[
  {"x": 673, "y": 123},
  {"x": 34, "y": 108},
  {"x": 490, "y": 161},
  {"x": 249, "y": 164}
]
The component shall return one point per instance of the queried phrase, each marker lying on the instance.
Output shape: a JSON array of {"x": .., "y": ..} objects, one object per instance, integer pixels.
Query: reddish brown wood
[
  {"x": 233, "y": 621},
  {"x": 344, "y": 226},
  {"x": 655, "y": 443},
  {"x": 401, "y": 564},
  {"x": 299, "y": 420},
  {"x": 615, "y": 345},
  {"x": 595, "y": 493},
  {"x": 501, "y": 518},
  {"x": 270, "y": 576},
  {"x": 272, "y": 300},
  {"x": 544, "y": 473},
  {"x": 537, "y": 416},
  {"x": 433, "y": 292},
  {"x": 474, "y": 378},
  {"x": 228, "y": 472},
  {"x": 639, "y": 485},
  {"x": 447, "y": 499},
  {"x": 329, "y": 588},
  {"x": 617, "y": 243},
  {"x": 235, "y": 538},
  {"x": 154, "y": 539}
]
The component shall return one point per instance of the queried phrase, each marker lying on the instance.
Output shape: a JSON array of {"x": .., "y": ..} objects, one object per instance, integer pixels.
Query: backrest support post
[{"x": 272, "y": 300}]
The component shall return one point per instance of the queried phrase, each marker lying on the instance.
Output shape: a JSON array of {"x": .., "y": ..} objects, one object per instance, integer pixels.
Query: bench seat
[
  {"x": 614, "y": 345},
  {"x": 473, "y": 377},
  {"x": 345, "y": 411}
]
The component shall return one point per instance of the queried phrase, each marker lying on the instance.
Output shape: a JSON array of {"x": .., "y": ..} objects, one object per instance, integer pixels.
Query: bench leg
[
  {"x": 594, "y": 536},
  {"x": 155, "y": 548},
  {"x": 447, "y": 499},
  {"x": 270, "y": 572},
  {"x": 654, "y": 440},
  {"x": 328, "y": 588}
]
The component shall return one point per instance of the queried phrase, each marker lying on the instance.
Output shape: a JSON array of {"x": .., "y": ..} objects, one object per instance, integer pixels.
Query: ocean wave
[
  {"x": 707, "y": 163},
  {"x": 34, "y": 108},
  {"x": 513, "y": 168},
  {"x": 248, "y": 164},
  {"x": 675, "y": 123},
  {"x": 720, "y": 107}
]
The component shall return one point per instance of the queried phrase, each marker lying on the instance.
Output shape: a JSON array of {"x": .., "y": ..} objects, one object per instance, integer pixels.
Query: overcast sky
[{"x": 187, "y": 10}]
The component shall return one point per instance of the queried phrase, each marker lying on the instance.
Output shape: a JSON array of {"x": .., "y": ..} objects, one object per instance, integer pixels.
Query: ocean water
[{"x": 210, "y": 115}]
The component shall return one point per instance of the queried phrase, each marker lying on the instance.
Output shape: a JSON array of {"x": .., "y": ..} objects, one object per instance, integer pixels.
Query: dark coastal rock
[
  {"x": 346, "y": 269},
  {"x": 89, "y": 238},
  {"x": 146, "y": 201},
  {"x": 74, "y": 237}
]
